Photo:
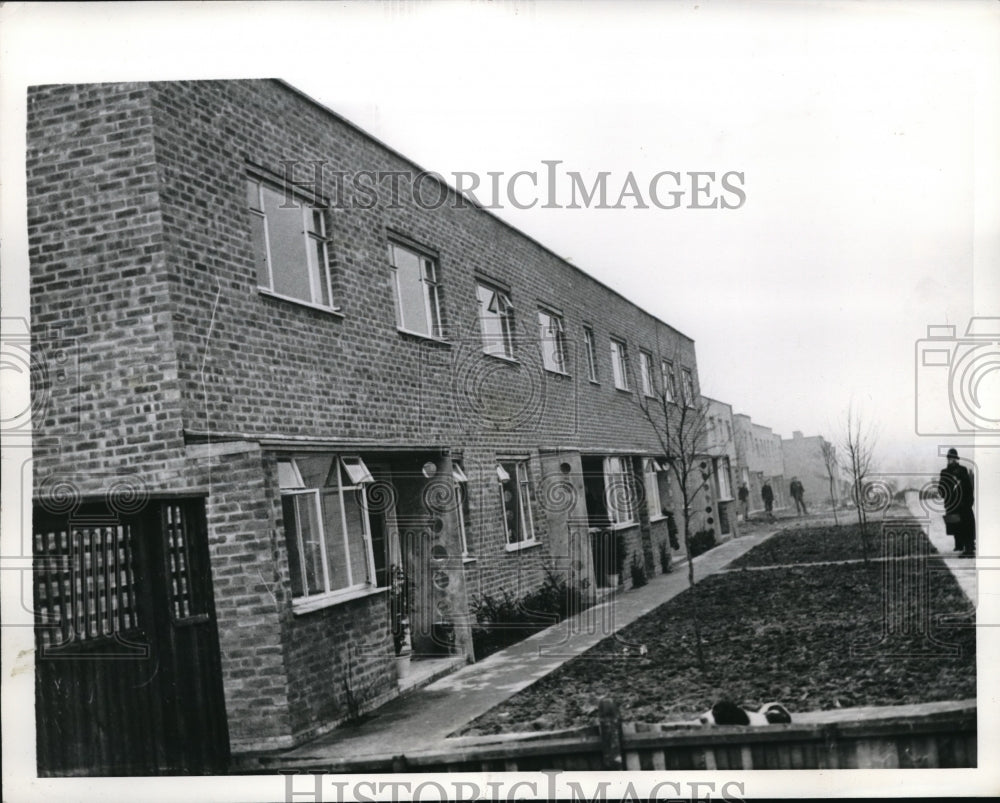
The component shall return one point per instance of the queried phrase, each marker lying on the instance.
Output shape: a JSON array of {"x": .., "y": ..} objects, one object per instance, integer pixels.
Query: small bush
[
  {"x": 504, "y": 620},
  {"x": 621, "y": 553},
  {"x": 702, "y": 541},
  {"x": 665, "y": 566},
  {"x": 638, "y": 571}
]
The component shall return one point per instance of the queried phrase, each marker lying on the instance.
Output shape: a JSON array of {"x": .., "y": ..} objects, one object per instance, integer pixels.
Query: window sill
[
  {"x": 623, "y": 390},
  {"x": 320, "y": 601},
  {"x": 501, "y": 357},
  {"x": 336, "y": 312},
  {"x": 468, "y": 559},
  {"x": 654, "y": 519},
  {"x": 625, "y": 526},
  {"x": 421, "y": 336},
  {"x": 556, "y": 372},
  {"x": 522, "y": 545},
  {"x": 594, "y": 382}
]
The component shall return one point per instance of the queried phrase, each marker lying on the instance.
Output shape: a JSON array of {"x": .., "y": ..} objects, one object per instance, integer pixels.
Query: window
[
  {"x": 588, "y": 342},
  {"x": 326, "y": 524},
  {"x": 646, "y": 372},
  {"x": 515, "y": 500},
  {"x": 464, "y": 512},
  {"x": 553, "y": 339},
  {"x": 496, "y": 321},
  {"x": 418, "y": 295},
  {"x": 619, "y": 490},
  {"x": 689, "y": 397},
  {"x": 669, "y": 380},
  {"x": 619, "y": 363},
  {"x": 290, "y": 245},
  {"x": 650, "y": 475},
  {"x": 725, "y": 483}
]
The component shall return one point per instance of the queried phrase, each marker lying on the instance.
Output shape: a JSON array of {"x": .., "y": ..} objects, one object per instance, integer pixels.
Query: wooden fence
[{"x": 934, "y": 735}]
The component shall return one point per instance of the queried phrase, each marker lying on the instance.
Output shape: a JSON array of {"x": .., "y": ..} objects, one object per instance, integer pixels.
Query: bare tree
[
  {"x": 678, "y": 416},
  {"x": 829, "y": 454},
  {"x": 859, "y": 443}
]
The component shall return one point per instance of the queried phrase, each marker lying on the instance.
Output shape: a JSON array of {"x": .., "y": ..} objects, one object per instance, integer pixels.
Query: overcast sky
[
  {"x": 866, "y": 135},
  {"x": 854, "y": 128}
]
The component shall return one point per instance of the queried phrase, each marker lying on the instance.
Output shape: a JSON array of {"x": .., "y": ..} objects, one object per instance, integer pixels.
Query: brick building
[
  {"x": 803, "y": 457},
  {"x": 759, "y": 458},
  {"x": 721, "y": 441},
  {"x": 288, "y": 410}
]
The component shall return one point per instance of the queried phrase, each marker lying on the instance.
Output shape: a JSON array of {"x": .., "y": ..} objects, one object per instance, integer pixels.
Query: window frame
[
  {"x": 619, "y": 363},
  {"x": 525, "y": 512},
  {"x": 616, "y": 516},
  {"x": 590, "y": 347},
  {"x": 651, "y": 470},
  {"x": 306, "y": 601},
  {"x": 669, "y": 379},
  {"x": 558, "y": 338},
  {"x": 464, "y": 507},
  {"x": 433, "y": 308},
  {"x": 317, "y": 265},
  {"x": 687, "y": 386},
  {"x": 646, "y": 373},
  {"x": 504, "y": 314}
]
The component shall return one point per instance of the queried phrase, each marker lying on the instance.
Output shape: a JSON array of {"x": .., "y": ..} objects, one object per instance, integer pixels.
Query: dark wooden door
[{"x": 128, "y": 676}]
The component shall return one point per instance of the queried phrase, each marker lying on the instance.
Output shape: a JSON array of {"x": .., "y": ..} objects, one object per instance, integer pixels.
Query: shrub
[
  {"x": 638, "y": 571},
  {"x": 665, "y": 558},
  {"x": 504, "y": 620},
  {"x": 621, "y": 553},
  {"x": 702, "y": 541}
]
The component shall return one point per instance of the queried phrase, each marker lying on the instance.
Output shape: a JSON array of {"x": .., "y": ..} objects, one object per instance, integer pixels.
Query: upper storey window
[
  {"x": 418, "y": 294},
  {"x": 289, "y": 244}
]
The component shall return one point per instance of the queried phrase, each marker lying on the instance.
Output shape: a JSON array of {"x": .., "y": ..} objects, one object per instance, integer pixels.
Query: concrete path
[
  {"x": 963, "y": 569},
  {"x": 422, "y": 719}
]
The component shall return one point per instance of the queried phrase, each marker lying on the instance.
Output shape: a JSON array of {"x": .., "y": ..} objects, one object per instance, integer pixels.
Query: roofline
[{"x": 472, "y": 201}]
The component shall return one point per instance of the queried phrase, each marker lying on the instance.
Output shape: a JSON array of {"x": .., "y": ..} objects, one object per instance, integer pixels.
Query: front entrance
[{"x": 128, "y": 676}]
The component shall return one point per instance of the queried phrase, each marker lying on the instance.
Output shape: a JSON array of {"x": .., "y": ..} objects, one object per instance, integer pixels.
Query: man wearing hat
[{"x": 955, "y": 486}]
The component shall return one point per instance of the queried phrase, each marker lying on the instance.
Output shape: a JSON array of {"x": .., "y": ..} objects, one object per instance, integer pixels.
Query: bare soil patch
[{"x": 811, "y": 637}]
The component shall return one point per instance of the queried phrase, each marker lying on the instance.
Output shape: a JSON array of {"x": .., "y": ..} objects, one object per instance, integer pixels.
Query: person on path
[
  {"x": 955, "y": 484},
  {"x": 744, "y": 495},
  {"x": 797, "y": 492},
  {"x": 767, "y": 494}
]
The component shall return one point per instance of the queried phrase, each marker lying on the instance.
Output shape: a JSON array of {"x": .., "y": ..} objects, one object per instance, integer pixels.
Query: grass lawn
[{"x": 811, "y": 637}]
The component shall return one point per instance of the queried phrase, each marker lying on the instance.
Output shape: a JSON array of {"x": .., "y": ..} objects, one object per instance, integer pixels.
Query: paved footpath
[
  {"x": 963, "y": 569},
  {"x": 422, "y": 719}
]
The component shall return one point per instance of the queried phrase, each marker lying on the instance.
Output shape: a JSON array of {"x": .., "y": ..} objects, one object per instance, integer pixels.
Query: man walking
[
  {"x": 744, "y": 495},
  {"x": 767, "y": 494},
  {"x": 797, "y": 492},
  {"x": 955, "y": 485}
]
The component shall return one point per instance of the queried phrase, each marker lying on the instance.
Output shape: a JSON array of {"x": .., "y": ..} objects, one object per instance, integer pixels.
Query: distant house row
[{"x": 286, "y": 425}]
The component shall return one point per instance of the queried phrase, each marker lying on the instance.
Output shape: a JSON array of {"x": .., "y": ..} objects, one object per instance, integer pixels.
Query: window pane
[
  {"x": 410, "y": 293},
  {"x": 286, "y": 234},
  {"x": 335, "y": 551},
  {"x": 253, "y": 194},
  {"x": 315, "y": 470},
  {"x": 310, "y": 559},
  {"x": 258, "y": 243},
  {"x": 292, "y": 540},
  {"x": 357, "y": 549}
]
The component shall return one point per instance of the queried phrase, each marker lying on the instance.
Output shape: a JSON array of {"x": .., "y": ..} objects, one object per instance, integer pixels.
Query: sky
[{"x": 865, "y": 134}]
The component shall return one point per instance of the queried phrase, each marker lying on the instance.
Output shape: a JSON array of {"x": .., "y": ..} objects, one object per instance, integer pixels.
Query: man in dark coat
[
  {"x": 767, "y": 494},
  {"x": 956, "y": 488},
  {"x": 744, "y": 495},
  {"x": 796, "y": 491}
]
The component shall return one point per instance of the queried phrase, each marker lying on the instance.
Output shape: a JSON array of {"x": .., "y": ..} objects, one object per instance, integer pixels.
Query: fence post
[{"x": 610, "y": 724}]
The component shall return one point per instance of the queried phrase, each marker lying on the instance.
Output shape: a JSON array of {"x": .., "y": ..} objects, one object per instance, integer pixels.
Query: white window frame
[
  {"x": 427, "y": 267},
  {"x": 618, "y": 472},
  {"x": 314, "y": 231},
  {"x": 552, "y": 337},
  {"x": 591, "y": 349},
  {"x": 646, "y": 372},
  {"x": 724, "y": 479},
  {"x": 526, "y": 516},
  {"x": 462, "y": 481},
  {"x": 354, "y": 469},
  {"x": 650, "y": 474},
  {"x": 669, "y": 380},
  {"x": 687, "y": 380},
  {"x": 619, "y": 363},
  {"x": 495, "y": 304}
]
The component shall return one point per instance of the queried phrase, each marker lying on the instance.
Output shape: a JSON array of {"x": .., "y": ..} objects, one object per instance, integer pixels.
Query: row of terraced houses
[{"x": 279, "y": 409}]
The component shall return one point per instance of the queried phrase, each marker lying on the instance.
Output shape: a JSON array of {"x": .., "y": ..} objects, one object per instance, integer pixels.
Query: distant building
[
  {"x": 803, "y": 457},
  {"x": 721, "y": 443},
  {"x": 759, "y": 458}
]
